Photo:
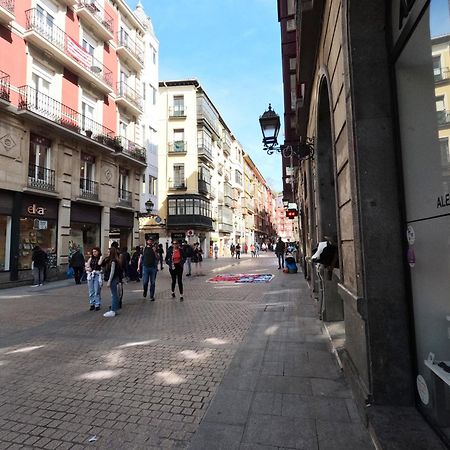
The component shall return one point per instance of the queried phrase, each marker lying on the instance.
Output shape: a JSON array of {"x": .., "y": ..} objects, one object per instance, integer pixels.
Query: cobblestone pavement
[{"x": 141, "y": 380}]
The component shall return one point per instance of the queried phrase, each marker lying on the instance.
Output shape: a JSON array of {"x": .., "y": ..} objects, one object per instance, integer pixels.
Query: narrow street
[{"x": 234, "y": 366}]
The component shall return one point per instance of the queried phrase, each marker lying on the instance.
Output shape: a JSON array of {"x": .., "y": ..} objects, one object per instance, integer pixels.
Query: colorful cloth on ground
[{"x": 242, "y": 278}]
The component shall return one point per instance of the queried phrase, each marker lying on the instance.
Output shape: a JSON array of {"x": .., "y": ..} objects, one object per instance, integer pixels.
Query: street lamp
[
  {"x": 148, "y": 207},
  {"x": 270, "y": 127}
]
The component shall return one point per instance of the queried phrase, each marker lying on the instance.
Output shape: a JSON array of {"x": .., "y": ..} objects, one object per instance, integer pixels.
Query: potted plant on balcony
[
  {"x": 88, "y": 133},
  {"x": 117, "y": 144}
]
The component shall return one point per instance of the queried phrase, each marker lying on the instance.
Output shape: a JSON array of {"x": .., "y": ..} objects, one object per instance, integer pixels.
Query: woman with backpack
[{"x": 112, "y": 276}]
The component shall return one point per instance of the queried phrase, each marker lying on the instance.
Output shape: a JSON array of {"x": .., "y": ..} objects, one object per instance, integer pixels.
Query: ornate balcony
[
  {"x": 88, "y": 189},
  {"x": 132, "y": 150},
  {"x": 129, "y": 51},
  {"x": 48, "y": 37},
  {"x": 5, "y": 88},
  {"x": 97, "y": 18},
  {"x": 129, "y": 99},
  {"x": 177, "y": 185},
  {"x": 189, "y": 211},
  {"x": 41, "y": 178},
  {"x": 7, "y": 11},
  {"x": 177, "y": 113}
]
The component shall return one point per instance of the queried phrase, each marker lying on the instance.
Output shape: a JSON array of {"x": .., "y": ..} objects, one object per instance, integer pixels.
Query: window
[
  {"x": 89, "y": 43},
  {"x": 46, "y": 20},
  {"x": 124, "y": 184},
  {"x": 292, "y": 63},
  {"x": 291, "y": 7},
  {"x": 443, "y": 143},
  {"x": 237, "y": 176},
  {"x": 178, "y": 175},
  {"x": 143, "y": 136},
  {"x": 204, "y": 174},
  {"x": 123, "y": 125},
  {"x": 189, "y": 206},
  {"x": 178, "y": 105},
  {"x": 290, "y": 25},
  {"x": 437, "y": 69},
  {"x": 87, "y": 172},
  {"x": 40, "y": 154},
  {"x": 180, "y": 207},
  {"x": 87, "y": 112},
  {"x": 153, "y": 55},
  {"x": 153, "y": 94},
  {"x": 172, "y": 206},
  {"x": 178, "y": 140},
  {"x": 143, "y": 185},
  {"x": 152, "y": 184}
]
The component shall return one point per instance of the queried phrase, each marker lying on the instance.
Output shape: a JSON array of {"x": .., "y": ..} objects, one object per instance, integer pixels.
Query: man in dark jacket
[
  {"x": 38, "y": 261},
  {"x": 77, "y": 263},
  {"x": 188, "y": 253},
  {"x": 148, "y": 264},
  {"x": 279, "y": 251}
]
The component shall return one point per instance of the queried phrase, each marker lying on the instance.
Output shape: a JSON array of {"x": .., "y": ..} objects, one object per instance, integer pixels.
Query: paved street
[{"x": 233, "y": 366}]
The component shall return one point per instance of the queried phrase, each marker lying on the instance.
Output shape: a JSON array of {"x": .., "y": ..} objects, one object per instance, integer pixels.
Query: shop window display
[
  {"x": 5, "y": 238},
  {"x": 86, "y": 236},
  {"x": 423, "y": 90},
  {"x": 36, "y": 232}
]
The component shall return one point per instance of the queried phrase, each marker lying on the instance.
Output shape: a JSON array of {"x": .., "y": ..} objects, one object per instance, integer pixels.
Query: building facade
[
  {"x": 201, "y": 183},
  {"x": 70, "y": 137},
  {"x": 377, "y": 189}
]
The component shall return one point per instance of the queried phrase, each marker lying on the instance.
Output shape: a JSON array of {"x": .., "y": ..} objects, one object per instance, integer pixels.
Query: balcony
[
  {"x": 7, "y": 11},
  {"x": 125, "y": 198},
  {"x": 177, "y": 148},
  {"x": 129, "y": 99},
  {"x": 5, "y": 88},
  {"x": 177, "y": 185},
  {"x": 443, "y": 118},
  {"x": 129, "y": 51},
  {"x": 225, "y": 227},
  {"x": 88, "y": 189},
  {"x": 48, "y": 37},
  {"x": 204, "y": 152},
  {"x": 44, "y": 108},
  {"x": 131, "y": 149},
  {"x": 188, "y": 211},
  {"x": 441, "y": 74},
  {"x": 226, "y": 145},
  {"x": 178, "y": 112},
  {"x": 97, "y": 18},
  {"x": 41, "y": 178},
  {"x": 204, "y": 187}
]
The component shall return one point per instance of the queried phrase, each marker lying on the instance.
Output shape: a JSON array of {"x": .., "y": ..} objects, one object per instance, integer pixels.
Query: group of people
[
  {"x": 286, "y": 254},
  {"x": 119, "y": 266}
]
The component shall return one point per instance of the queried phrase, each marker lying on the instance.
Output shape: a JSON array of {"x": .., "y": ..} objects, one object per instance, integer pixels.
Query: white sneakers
[{"x": 109, "y": 314}]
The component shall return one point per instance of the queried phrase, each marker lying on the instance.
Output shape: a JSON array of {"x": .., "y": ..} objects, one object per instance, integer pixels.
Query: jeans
[
  {"x": 149, "y": 273},
  {"x": 177, "y": 275},
  {"x": 114, "y": 295},
  {"x": 188, "y": 262},
  {"x": 280, "y": 260},
  {"x": 77, "y": 274},
  {"x": 94, "y": 288},
  {"x": 38, "y": 274}
]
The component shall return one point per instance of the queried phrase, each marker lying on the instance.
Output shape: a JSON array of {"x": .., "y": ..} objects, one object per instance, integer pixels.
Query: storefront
[
  {"x": 121, "y": 227},
  {"x": 421, "y": 49},
  {"x": 6, "y": 211},
  {"x": 85, "y": 227}
]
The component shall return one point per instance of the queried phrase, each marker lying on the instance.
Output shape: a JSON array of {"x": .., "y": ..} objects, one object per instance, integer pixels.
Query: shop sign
[
  {"x": 178, "y": 236},
  {"x": 36, "y": 210},
  {"x": 404, "y": 14}
]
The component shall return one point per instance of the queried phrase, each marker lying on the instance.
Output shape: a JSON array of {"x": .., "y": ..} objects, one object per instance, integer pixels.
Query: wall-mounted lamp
[{"x": 270, "y": 127}]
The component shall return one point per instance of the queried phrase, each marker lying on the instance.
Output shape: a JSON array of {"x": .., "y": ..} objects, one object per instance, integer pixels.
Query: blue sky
[{"x": 233, "y": 48}]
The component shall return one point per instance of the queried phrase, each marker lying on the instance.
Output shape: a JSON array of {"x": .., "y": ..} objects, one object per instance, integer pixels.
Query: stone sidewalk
[{"x": 253, "y": 357}]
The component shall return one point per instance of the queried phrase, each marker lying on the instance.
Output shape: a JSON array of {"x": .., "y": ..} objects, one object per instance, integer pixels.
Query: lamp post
[
  {"x": 270, "y": 127},
  {"x": 148, "y": 207}
]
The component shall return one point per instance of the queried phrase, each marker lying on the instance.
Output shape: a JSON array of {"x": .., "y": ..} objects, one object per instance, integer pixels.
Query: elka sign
[{"x": 36, "y": 210}]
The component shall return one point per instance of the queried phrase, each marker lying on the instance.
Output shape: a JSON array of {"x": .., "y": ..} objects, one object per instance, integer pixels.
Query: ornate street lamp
[
  {"x": 270, "y": 127},
  {"x": 148, "y": 207}
]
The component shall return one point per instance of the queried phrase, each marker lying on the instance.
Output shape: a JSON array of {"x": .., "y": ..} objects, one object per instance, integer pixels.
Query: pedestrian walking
[
  {"x": 160, "y": 254},
  {"x": 216, "y": 251},
  {"x": 189, "y": 254},
  {"x": 280, "y": 249},
  {"x": 252, "y": 250},
  {"x": 197, "y": 258},
  {"x": 238, "y": 251},
  {"x": 257, "y": 248},
  {"x": 38, "y": 262},
  {"x": 134, "y": 262},
  {"x": 77, "y": 263},
  {"x": 125, "y": 259},
  {"x": 148, "y": 265},
  {"x": 245, "y": 248},
  {"x": 175, "y": 259},
  {"x": 232, "y": 249},
  {"x": 113, "y": 276},
  {"x": 94, "y": 279}
]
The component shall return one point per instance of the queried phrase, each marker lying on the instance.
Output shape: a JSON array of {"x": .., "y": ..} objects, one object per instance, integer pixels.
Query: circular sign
[
  {"x": 422, "y": 389},
  {"x": 158, "y": 219},
  {"x": 410, "y": 235},
  {"x": 190, "y": 233}
]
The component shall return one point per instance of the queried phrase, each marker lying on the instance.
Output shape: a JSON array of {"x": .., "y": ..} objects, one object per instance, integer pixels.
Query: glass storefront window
[
  {"x": 5, "y": 240},
  {"x": 34, "y": 232},
  {"x": 423, "y": 89},
  {"x": 86, "y": 236}
]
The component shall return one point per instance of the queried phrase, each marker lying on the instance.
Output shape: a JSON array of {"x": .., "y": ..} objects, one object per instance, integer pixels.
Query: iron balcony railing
[
  {"x": 88, "y": 189},
  {"x": 129, "y": 94},
  {"x": 8, "y": 4},
  {"x": 178, "y": 111},
  {"x": 136, "y": 50},
  {"x": 443, "y": 117},
  {"x": 5, "y": 87},
  {"x": 442, "y": 73},
  {"x": 38, "y": 22},
  {"x": 98, "y": 12},
  {"x": 132, "y": 149},
  {"x": 32, "y": 100},
  {"x": 178, "y": 147},
  {"x": 179, "y": 184},
  {"x": 124, "y": 197},
  {"x": 41, "y": 178}
]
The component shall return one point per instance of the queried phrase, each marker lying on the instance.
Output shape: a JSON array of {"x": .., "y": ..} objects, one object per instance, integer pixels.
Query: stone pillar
[
  {"x": 104, "y": 230},
  {"x": 63, "y": 231}
]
